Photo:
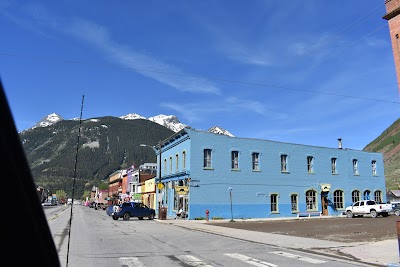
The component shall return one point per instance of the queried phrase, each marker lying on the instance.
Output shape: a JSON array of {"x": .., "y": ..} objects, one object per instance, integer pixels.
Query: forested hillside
[
  {"x": 388, "y": 143},
  {"x": 106, "y": 144}
]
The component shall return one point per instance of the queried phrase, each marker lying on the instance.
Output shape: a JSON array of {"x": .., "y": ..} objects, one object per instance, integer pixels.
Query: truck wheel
[
  {"x": 115, "y": 218},
  {"x": 349, "y": 214},
  {"x": 374, "y": 214},
  {"x": 126, "y": 216},
  {"x": 140, "y": 218},
  {"x": 151, "y": 216},
  {"x": 397, "y": 213}
]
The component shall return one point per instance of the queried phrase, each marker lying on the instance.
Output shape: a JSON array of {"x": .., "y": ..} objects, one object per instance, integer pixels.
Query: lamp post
[
  {"x": 230, "y": 196},
  {"x": 159, "y": 185}
]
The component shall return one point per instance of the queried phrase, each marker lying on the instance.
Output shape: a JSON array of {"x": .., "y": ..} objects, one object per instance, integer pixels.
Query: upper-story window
[
  {"x": 355, "y": 167},
  {"x": 310, "y": 164},
  {"x": 334, "y": 165},
  {"x": 170, "y": 164},
  {"x": 373, "y": 166},
  {"x": 284, "y": 163},
  {"x": 165, "y": 165},
  {"x": 235, "y": 160},
  {"x": 176, "y": 162},
  {"x": 184, "y": 160},
  {"x": 207, "y": 158},
  {"x": 255, "y": 161}
]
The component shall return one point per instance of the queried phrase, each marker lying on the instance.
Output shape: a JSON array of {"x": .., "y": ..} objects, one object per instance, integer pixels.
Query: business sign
[{"x": 182, "y": 190}]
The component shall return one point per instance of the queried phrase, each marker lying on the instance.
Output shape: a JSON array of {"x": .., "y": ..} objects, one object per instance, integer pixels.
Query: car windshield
[{"x": 122, "y": 117}]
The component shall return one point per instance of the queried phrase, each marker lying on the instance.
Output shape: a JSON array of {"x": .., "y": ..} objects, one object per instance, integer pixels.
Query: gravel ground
[{"x": 342, "y": 229}]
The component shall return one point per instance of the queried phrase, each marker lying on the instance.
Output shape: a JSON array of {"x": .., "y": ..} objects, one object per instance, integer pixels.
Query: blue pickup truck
[{"x": 132, "y": 209}]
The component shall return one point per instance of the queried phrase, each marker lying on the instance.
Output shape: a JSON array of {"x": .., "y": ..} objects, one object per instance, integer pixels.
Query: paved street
[{"x": 97, "y": 240}]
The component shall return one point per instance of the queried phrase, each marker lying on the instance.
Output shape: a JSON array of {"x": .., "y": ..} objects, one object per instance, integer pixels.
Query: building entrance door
[{"x": 324, "y": 202}]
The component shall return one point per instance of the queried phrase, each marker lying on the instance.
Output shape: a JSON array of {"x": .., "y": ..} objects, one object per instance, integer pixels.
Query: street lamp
[
  {"x": 155, "y": 150},
  {"x": 230, "y": 195}
]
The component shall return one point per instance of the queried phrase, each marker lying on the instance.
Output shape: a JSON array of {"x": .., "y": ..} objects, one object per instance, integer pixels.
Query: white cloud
[
  {"x": 201, "y": 111},
  {"x": 99, "y": 37}
]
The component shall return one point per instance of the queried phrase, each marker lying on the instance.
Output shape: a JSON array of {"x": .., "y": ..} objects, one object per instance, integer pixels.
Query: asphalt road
[{"x": 342, "y": 229}]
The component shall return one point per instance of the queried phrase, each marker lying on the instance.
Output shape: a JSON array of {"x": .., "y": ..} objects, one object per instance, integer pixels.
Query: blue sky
[{"x": 308, "y": 72}]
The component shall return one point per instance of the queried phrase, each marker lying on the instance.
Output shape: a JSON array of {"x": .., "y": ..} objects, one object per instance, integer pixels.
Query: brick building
[{"x": 393, "y": 18}]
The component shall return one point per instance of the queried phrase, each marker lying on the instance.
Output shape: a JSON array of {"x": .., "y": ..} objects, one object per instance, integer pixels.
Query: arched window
[
  {"x": 338, "y": 199},
  {"x": 184, "y": 160},
  {"x": 311, "y": 200},
  {"x": 367, "y": 194},
  {"x": 355, "y": 196},
  {"x": 378, "y": 196}
]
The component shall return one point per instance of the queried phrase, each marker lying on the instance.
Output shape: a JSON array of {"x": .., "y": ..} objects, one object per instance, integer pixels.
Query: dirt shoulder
[{"x": 362, "y": 229}]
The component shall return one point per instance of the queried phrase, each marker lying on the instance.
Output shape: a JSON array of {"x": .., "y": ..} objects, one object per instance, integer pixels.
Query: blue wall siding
[{"x": 251, "y": 190}]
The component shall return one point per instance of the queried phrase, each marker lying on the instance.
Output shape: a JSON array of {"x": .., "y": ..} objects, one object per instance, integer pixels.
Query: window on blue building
[
  {"x": 170, "y": 164},
  {"x": 334, "y": 165},
  {"x": 184, "y": 160},
  {"x": 176, "y": 162},
  {"x": 338, "y": 199},
  {"x": 274, "y": 202},
  {"x": 373, "y": 165},
  {"x": 207, "y": 158},
  {"x": 367, "y": 194},
  {"x": 310, "y": 164},
  {"x": 311, "y": 200},
  {"x": 255, "y": 160},
  {"x": 355, "y": 196},
  {"x": 284, "y": 163},
  {"x": 235, "y": 160},
  {"x": 294, "y": 201},
  {"x": 355, "y": 167},
  {"x": 378, "y": 196}
]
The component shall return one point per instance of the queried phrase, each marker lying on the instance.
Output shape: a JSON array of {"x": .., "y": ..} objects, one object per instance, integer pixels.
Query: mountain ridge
[
  {"x": 169, "y": 121},
  {"x": 108, "y": 144}
]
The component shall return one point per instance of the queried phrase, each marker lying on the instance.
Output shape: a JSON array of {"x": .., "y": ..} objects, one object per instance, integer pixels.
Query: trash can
[{"x": 162, "y": 213}]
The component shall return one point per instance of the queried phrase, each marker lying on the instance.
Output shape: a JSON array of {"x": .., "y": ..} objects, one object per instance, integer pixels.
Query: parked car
[
  {"x": 132, "y": 209},
  {"x": 368, "y": 207},
  {"x": 396, "y": 209},
  {"x": 110, "y": 209}
]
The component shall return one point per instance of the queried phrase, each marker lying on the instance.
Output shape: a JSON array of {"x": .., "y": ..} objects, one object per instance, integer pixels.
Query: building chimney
[{"x": 340, "y": 143}]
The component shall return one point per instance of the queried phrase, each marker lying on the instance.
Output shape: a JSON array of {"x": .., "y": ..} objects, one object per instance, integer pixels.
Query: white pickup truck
[{"x": 368, "y": 207}]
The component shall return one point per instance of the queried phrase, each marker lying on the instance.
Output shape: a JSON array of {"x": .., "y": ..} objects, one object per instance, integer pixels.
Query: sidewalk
[{"x": 382, "y": 253}]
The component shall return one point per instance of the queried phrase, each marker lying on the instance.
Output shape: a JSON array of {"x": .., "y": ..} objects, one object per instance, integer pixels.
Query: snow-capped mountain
[
  {"x": 219, "y": 130},
  {"x": 48, "y": 120},
  {"x": 132, "y": 116},
  {"x": 169, "y": 121}
]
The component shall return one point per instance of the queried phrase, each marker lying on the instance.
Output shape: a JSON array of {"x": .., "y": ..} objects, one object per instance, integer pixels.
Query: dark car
[
  {"x": 132, "y": 209},
  {"x": 396, "y": 209},
  {"x": 110, "y": 209}
]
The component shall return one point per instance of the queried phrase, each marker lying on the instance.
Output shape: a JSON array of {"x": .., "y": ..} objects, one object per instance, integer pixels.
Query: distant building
[{"x": 253, "y": 178}]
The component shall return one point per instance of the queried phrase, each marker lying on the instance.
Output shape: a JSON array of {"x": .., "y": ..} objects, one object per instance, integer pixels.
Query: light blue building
[{"x": 235, "y": 177}]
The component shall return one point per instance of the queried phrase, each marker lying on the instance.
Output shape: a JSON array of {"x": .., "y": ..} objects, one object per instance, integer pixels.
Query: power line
[{"x": 207, "y": 77}]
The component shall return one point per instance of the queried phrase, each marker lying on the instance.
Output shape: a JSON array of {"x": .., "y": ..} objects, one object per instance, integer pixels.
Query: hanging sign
[{"x": 182, "y": 190}]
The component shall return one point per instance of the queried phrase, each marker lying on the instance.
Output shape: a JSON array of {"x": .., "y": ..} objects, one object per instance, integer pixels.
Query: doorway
[{"x": 324, "y": 202}]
